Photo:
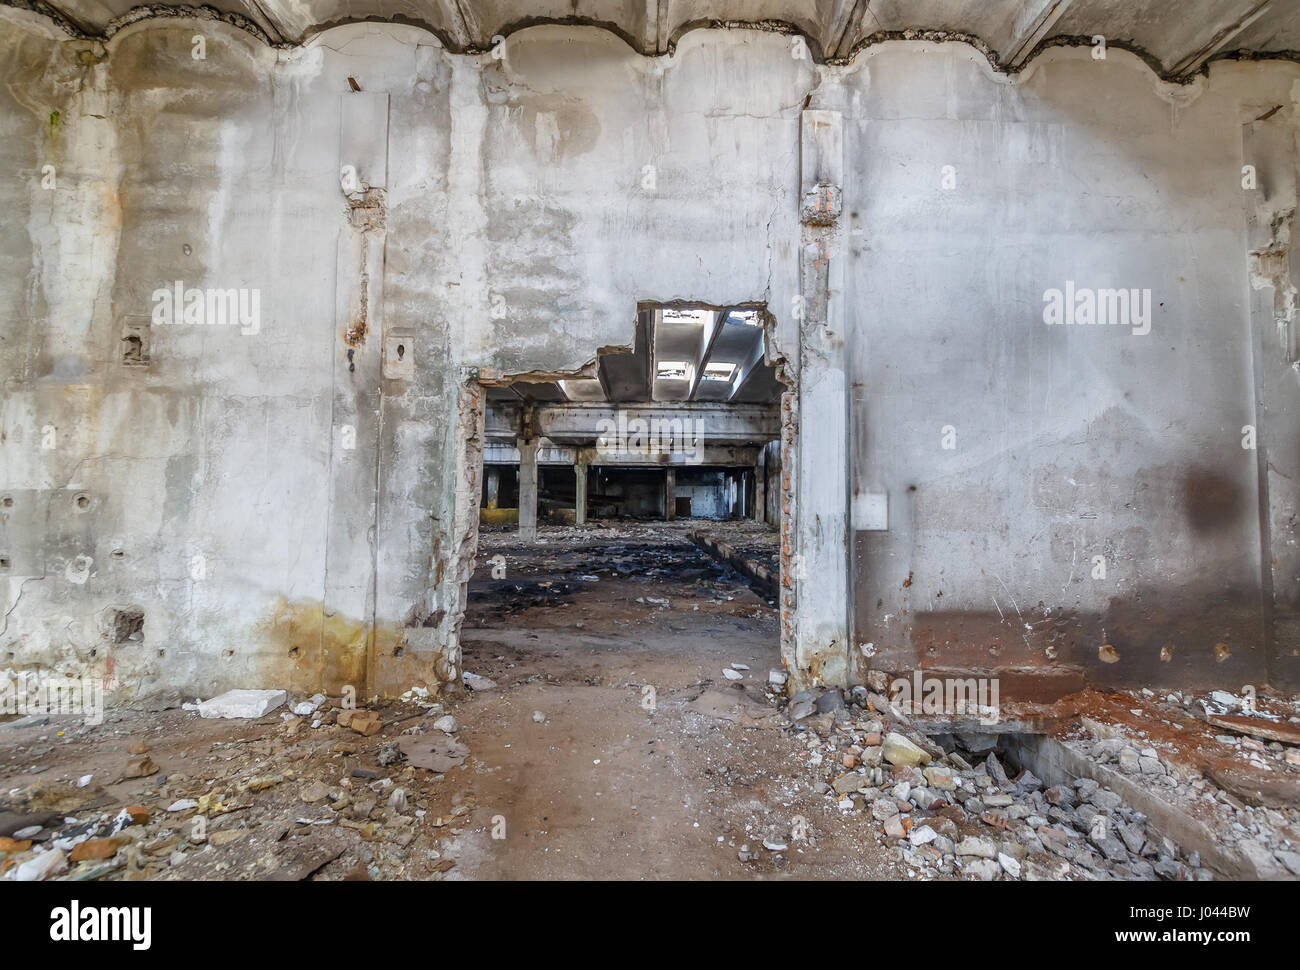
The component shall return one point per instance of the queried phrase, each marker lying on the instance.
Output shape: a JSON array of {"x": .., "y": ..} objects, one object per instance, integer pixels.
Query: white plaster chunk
[{"x": 242, "y": 703}]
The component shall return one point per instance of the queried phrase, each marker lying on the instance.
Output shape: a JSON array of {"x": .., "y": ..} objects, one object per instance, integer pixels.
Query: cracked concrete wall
[
  {"x": 294, "y": 505},
  {"x": 283, "y": 507}
]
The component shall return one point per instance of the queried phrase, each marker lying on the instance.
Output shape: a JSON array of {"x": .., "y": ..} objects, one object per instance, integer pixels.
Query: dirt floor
[
  {"x": 611, "y": 746},
  {"x": 650, "y": 763},
  {"x": 618, "y": 723}
]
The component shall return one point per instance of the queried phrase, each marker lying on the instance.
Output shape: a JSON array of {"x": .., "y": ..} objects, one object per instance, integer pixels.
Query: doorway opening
[{"x": 636, "y": 503}]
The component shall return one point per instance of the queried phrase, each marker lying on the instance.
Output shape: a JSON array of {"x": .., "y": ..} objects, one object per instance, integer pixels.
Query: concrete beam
[
  {"x": 706, "y": 455},
  {"x": 1033, "y": 24},
  {"x": 499, "y": 453},
  {"x": 717, "y": 422},
  {"x": 710, "y": 339},
  {"x": 1219, "y": 40},
  {"x": 845, "y": 26},
  {"x": 708, "y": 422},
  {"x": 751, "y": 366}
]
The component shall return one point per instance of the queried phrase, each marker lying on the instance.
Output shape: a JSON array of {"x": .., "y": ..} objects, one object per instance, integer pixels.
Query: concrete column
[
  {"x": 760, "y": 488},
  {"x": 670, "y": 492},
  {"x": 580, "y": 493},
  {"x": 527, "y": 489},
  {"x": 493, "y": 486},
  {"x": 822, "y": 565}
]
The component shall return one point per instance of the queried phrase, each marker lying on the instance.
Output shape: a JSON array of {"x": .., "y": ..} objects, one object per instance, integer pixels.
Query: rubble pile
[
  {"x": 350, "y": 786},
  {"x": 956, "y": 811},
  {"x": 1261, "y": 819}
]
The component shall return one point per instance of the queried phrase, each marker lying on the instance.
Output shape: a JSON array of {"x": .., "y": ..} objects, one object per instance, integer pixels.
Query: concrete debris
[
  {"x": 951, "y": 815},
  {"x": 433, "y": 752},
  {"x": 730, "y": 674},
  {"x": 242, "y": 703},
  {"x": 40, "y": 867},
  {"x": 315, "y": 791},
  {"x": 309, "y": 707},
  {"x": 140, "y": 767},
  {"x": 898, "y": 750},
  {"x": 476, "y": 683},
  {"x": 366, "y": 723}
]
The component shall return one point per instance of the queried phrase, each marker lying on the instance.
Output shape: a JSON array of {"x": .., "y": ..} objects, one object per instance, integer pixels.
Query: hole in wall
[
  {"x": 127, "y": 624},
  {"x": 133, "y": 350},
  {"x": 82, "y": 501}
]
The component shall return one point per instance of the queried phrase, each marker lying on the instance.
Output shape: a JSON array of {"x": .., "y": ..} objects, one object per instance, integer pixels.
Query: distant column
[
  {"x": 580, "y": 493},
  {"x": 493, "y": 486},
  {"x": 760, "y": 488},
  {"x": 670, "y": 492},
  {"x": 527, "y": 489}
]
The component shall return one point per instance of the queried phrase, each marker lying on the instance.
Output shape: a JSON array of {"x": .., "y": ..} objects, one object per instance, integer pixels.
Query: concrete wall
[
  {"x": 706, "y": 490},
  {"x": 1069, "y": 448},
  {"x": 289, "y": 506}
]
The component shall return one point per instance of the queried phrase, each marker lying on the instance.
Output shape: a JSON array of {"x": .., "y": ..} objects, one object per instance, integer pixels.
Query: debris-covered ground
[{"x": 623, "y": 718}]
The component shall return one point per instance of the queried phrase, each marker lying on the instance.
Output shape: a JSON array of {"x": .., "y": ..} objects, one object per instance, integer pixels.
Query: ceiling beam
[
  {"x": 603, "y": 376},
  {"x": 73, "y": 21},
  {"x": 751, "y": 365},
  {"x": 715, "y": 421},
  {"x": 1032, "y": 25},
  {"x": 657, "y": 28},
  {"x": 1219, "y": 40},
  {"x": 651, "y": 367},
  {"x": 846, "y": 25},
  {"x": 712, "y": 330}
]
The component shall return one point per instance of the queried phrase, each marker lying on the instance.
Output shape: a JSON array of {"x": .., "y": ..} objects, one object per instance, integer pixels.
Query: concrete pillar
[
  {"x": 493, "y": 486},
  {"x": 527, "y": 489},
  {"x": 580, "y": 493},
  {"x": 823, "y": 568},
  {"x": 670, "y": 492},
  {"x": 760, "y": 488}
]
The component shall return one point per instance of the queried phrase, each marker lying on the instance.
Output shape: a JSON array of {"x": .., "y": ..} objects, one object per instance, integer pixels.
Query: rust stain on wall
[{"x": 310, "y": 648}]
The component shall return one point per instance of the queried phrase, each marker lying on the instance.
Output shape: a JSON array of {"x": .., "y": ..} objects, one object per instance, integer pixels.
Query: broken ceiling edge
[{"x": 159, "y": 11}]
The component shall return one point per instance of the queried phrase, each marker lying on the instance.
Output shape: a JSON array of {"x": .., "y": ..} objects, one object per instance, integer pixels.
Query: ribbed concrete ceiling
[
  {"x": 721, "y": 355},
  {"x": 1177, "y": 36}
]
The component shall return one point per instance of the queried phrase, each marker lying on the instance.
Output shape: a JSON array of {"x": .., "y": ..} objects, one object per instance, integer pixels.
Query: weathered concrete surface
[
  {"x": 290, "y": 506},
  {"x": 1070, "y": 448}
]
